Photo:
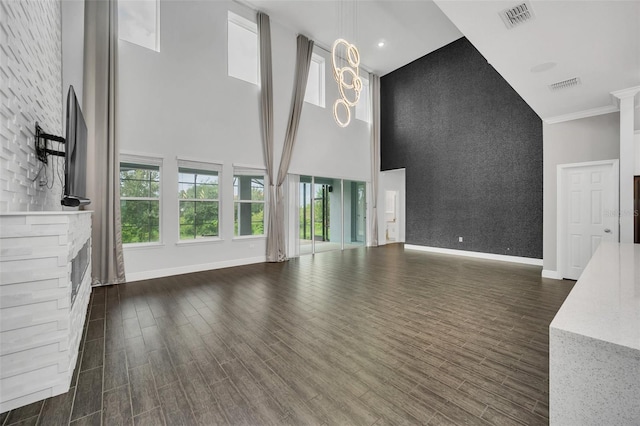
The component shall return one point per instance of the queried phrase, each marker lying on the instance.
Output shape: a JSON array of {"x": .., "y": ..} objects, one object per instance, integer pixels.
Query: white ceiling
[
  {"x": 410, "y": 29},
  {"x": 597, "y": 41}
]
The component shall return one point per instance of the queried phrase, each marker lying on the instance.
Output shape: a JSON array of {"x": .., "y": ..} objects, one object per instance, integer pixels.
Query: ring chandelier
[{"x": 347, "y": 77}]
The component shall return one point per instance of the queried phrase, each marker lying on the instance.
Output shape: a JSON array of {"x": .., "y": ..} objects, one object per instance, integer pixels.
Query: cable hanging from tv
[{"x": 42, "y": 150}]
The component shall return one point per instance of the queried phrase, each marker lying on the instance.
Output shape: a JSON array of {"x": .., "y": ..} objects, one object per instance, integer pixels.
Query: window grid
[
  {"x": 140, "y": 208},
  {"x": 198, "y": 214},
  {"x": 249, "y": 212}
]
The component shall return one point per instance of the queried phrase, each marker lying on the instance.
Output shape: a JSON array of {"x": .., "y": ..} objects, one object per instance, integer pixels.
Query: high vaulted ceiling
[
  {"x": 410, "y": 29},
  {"x": 596, "y": 41}
]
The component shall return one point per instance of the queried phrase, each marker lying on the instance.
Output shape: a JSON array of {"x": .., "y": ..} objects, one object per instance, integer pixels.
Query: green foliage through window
[
  {"x": 248, "y": 195},
  {"x": 140, "y": 203},
  {"x": 199, "y": 203}
]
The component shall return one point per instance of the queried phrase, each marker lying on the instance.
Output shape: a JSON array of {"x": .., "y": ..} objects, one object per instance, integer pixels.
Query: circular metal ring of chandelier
[
  {"x": 352, "y": 56},
  {"x": 355, "y": 85},
  {"x": 336, "y": 116}
]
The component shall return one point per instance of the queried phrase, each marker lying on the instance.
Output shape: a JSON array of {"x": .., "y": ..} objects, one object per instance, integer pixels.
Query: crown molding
[
  {"x": 582, "y": 114},
  {"x": 626, "y": 93},
  {"x": 607, "y": 109}
]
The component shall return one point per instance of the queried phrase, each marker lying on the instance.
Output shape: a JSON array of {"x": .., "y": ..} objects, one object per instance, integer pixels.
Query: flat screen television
[{"x": 75, "y": 167}]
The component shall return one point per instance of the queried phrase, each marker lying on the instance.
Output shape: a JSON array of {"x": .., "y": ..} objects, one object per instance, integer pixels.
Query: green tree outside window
[
  {"x": 198, "y": 192},
  {"x": 140, "y": 203}
]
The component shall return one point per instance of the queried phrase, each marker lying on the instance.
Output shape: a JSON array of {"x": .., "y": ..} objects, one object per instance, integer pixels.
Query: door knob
[{"x": 607, "y": 230}]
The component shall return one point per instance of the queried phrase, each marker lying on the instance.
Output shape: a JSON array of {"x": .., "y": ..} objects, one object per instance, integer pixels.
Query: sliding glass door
[
  {"x": 305, "y": 215},
  {"x": 355, "y": 214},
  {"x": 331, "y": 213}
]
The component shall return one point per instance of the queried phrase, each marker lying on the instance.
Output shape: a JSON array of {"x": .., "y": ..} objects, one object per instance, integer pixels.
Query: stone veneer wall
[
  {"x": 30, "y": 91},
  {"x": 40, "y": 327}
]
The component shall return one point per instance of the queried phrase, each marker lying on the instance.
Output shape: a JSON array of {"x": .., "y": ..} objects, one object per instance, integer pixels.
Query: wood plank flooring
[{"x": 362, "y": 337}]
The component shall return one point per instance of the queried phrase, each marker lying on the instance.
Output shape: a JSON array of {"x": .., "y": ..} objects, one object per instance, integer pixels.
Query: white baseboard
[
  {"x": 159, "y": 273},
  {"x": 548, "y": 273},
  {"x": 478, "y": 255}
]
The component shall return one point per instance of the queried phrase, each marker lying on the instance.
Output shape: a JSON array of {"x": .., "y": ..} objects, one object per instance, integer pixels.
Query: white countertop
[{"x": 605, "y": 302}]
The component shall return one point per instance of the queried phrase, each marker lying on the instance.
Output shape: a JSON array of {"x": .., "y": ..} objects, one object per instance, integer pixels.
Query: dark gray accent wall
[{"x": 472, "y": 149}]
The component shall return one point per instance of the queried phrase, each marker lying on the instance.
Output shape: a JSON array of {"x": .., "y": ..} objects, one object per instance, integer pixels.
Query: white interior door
[{"x": 589, "y": 206}]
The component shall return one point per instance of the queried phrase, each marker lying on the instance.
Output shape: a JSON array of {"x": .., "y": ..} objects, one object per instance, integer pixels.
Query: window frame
[
  {"x": 242, "y": 22},
  {"x": 204, "y": 166},
  {"x": 321, "y": 83},
  {"x": 149, "y": 161},
  {"x": 251, "y": 171},
  {"x": 156, "y": 47}
]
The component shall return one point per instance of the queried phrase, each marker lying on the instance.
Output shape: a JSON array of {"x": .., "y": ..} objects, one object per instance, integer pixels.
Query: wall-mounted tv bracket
[{"x": 42, "y": 150}]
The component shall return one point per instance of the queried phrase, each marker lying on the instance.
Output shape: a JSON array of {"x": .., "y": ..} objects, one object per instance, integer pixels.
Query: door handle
[{"x": 607, "y": 230}]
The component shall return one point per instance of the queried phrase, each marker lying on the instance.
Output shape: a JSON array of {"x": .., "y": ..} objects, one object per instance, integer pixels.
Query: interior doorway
[
  {"x": 392, "y": 206},
  {"x": 587, "y": 212}
]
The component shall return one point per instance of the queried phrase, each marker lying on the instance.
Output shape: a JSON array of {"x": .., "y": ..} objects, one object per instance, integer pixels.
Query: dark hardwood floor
[{"x": 360, "y": 337}]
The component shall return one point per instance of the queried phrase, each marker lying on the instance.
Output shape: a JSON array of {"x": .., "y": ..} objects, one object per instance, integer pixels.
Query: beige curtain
[
  {"x": 276, "y": 248},
  {"x": 103, "y": 185},
  {"x": 374, "y": 88},
  {"x": 303, "y": 61},
  {"x": 266, "y": 121}
]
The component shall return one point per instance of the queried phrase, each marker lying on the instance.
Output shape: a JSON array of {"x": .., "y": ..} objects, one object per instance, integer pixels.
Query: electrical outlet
[{"x": 459, "y": 239}]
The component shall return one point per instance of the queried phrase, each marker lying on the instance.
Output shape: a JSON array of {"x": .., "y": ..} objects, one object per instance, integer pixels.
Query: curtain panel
[
  {"x": 266, "y": 123},
  {"x": 276, "y": 247},
  {"x": 99, "y": 104}
]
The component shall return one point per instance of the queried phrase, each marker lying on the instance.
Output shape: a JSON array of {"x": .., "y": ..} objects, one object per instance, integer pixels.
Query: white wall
[
  {"x": 180, "y": 102},
  {"x": 636, "y": 126},
  {"x": 637, "y": 148},
  {"x": 72, "y": 48},
  {"x": 588, "y": 139},
  {"x": 30, "y": 92},
  {"x": 323, "y": 148}
]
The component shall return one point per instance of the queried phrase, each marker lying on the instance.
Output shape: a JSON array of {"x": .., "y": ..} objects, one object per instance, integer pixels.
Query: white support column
[{"x": 627, "y": 161}]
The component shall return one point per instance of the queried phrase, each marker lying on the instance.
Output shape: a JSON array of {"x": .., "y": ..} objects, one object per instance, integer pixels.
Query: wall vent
[
  {"x": 565, "y": 84},
  {"x": 514, "y": 16}
]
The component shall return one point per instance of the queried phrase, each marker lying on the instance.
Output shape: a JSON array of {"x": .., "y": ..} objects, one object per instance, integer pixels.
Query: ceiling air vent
[
  {"x": 565, "y": 84},
  {"x": 517, "y": 15}
]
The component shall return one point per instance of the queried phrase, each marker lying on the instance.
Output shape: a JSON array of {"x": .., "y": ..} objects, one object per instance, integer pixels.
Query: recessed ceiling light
[{"x": 381, "y": 44}]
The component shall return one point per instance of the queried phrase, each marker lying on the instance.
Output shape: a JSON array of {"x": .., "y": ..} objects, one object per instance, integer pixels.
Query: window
[
  {"x": 314, "y": 94},
  {"x": 248, "y": 196},
  {"x": 242, "y": 48},
  {"x": 140, "y": 201},
  {"x": 199, "y": 199},
  {"x": 138, "y": 22},
  {"x": 363, "y": 106}
]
